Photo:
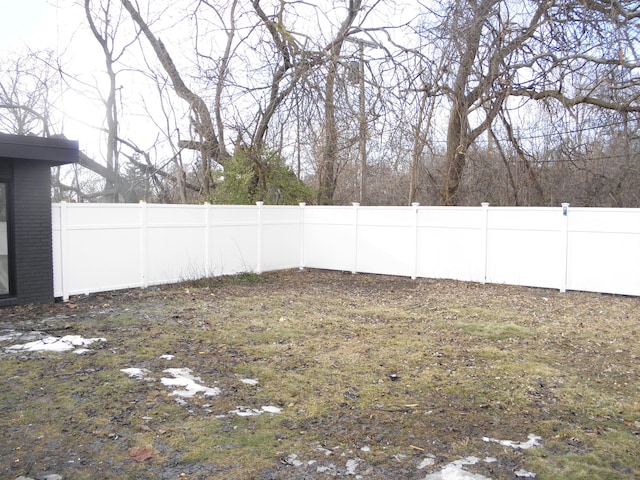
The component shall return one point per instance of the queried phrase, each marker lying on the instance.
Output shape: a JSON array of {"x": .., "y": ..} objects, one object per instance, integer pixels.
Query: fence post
[
  {"x": 485, "y": 240},
  {"x": 259, "y": 268},
  {"x": 302, "y": 205},
  {"x": 207, "y": 240},
  {"x": 415, "y": 206},
  {"x": 144, "y": 242},
  {"x": 64, "y": 250},
  {"x": 355, "y": 205},
  {"x": 564, "y": 245}
]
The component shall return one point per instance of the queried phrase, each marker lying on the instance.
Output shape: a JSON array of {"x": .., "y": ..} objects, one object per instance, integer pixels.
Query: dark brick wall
[{"x": 32, "y": 233}]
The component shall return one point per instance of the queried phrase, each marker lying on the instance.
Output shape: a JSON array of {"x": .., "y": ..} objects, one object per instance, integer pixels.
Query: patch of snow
[
  {"x": 251, "y": 412},
  {"x": 10, "y": 335},
  {"x": 246, "y": 412},
  {"x": 524, "y": 474},
  {"x": 55, "y": 344},
  {"x": 322, "y": 469},
  {"x": 427, "y": 462},
  {"x": 271, "y": 409},
  {"x": 166, "y": 356},
  {"x": 293, "y": 460},
  {"x": 366, "y": 448},
  {"x": 51, "y": 476},
  {"x": 7, "y": 335},
  {"x": 455, "y": 471},
  {"x": 182, "y": 378},
  {"x": 137, "y": 373},
  {"x": 249, "y": 381},
  {"x": 352, "y": 465},
  {"x": 533, "y": 441},
  {"x": 326, "y": 451}
]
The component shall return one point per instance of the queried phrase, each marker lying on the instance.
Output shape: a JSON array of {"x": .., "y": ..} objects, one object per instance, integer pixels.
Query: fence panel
[
  {"x": 98, "y": 247},
  {"x": 525, "y": 246},
  {"x": 450, "y": 243},
  {"x": 329, "y": 238},
  {"x": 233, "y": 239},
  {"x": 604, "y": 250},
  {"x": 385, "y": 240},
  {"x": 175, "y": 242},
  {"x": 280, "y": 238}
]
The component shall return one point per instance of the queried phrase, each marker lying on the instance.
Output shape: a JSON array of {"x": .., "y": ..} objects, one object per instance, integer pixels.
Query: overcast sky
[
  {"x": 35, "y": 25},
  {"x": 27, "y": 22}
]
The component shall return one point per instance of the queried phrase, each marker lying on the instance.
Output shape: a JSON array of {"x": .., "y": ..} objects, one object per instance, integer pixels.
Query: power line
[{"x": 553, "y": 133}]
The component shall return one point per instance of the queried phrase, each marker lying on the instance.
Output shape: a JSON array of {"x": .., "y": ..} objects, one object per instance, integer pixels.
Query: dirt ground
[{"x": 316, "y": 374}]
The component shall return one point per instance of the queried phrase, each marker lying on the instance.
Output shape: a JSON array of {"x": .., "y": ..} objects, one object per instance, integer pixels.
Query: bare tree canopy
[{"x": 455, "y": 102}]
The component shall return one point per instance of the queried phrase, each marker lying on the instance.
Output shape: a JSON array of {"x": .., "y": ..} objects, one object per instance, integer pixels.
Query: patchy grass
[{"x": 382, "y": 372}]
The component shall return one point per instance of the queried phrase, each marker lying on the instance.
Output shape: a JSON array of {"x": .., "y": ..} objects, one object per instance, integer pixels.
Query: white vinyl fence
[{"x": 100, "y": 247}]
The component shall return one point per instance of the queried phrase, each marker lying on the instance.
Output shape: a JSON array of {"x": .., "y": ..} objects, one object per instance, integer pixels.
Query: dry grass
[{"x": 406, "y": 369}]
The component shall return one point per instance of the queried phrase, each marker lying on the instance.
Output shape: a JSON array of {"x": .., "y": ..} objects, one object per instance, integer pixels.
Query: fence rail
[{"x": 100, "y": 247}]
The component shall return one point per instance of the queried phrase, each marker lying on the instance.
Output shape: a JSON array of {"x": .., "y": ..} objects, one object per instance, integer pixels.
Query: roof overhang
[{"x": 49, "y": 151}]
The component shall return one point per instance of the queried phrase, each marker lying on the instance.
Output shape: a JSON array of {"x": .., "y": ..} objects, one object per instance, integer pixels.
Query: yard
[{"x": 316, "y": 374}]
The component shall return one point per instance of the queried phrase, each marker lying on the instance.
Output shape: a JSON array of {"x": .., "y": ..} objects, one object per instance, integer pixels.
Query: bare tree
[
  {"x": 288, "y": 61},
  {"x": 541, "y": 51},
  {"x": 327, "y": 174},
  {"x": 29, "y": 88},
  {"x": 462, "y": 104},
  {"x": 104, "y": 18},
  {"x": 207, "y": 142}
]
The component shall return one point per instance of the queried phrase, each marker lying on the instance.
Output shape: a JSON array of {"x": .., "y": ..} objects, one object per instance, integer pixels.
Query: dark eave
[{"x": 51, "y": 151}]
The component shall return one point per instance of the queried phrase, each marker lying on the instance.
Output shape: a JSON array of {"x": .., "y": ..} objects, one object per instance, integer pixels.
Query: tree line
[{"x": 456, "y": 102}]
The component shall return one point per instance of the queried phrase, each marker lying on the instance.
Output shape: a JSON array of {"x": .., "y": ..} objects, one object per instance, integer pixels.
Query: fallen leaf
[{"x": 140, "y": 454}]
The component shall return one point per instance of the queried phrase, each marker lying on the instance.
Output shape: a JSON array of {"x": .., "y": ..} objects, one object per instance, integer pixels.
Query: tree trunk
[
  {"x": 329, "y": 157},
  {"x": 457, "y": 145},
  {"x": 327, "y": 170},
  {"x": 110, "y": 103}
]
